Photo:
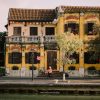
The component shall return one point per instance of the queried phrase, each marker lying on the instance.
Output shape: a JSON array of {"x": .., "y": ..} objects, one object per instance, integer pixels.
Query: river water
[{"x": 46, "y": 97}]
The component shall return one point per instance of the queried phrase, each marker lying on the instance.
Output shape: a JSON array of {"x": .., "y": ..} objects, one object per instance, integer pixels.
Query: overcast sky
[{"x": 38, "y": 4}]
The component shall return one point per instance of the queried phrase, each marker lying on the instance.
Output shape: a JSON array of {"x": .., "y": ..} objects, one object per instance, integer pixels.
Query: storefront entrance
[{"x": 52, "y": 59}]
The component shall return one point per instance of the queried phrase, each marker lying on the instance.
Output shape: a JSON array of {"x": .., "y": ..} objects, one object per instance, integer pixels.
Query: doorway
[{"x": 52, "y": 59}]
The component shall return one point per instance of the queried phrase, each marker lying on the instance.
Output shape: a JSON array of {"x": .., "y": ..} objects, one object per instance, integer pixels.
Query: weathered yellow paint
[
  {"x": 97, "y": 66},
  {"x": 23, "y": 58},
  {"x": 42, "y": 57},
  {"x": 60, "y": 25},
  {"x": 68, "y": 65},
  {"x": 59, "y": 28},
  {"x": 6, "y": 62},
  {"x": 45, "y": 60}
]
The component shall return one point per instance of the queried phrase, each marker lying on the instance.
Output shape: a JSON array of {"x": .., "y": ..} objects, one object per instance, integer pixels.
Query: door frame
[{"x": 46, "y": 59}]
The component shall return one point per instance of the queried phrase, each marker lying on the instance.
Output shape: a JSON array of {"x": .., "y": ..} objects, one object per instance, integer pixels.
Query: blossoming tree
[{"x": 68, "y": 44}]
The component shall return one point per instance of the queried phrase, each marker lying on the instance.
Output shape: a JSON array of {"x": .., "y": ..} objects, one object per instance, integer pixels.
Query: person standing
[{"x": 49, "y": 71}]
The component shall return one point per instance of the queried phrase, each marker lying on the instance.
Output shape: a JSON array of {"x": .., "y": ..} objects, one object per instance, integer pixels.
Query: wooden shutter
[
  {"x": 77, "y": 28},
  {"x": 65, "y": 27},
  {"x": 86, "y": 28},
  {"x": 38, "y": 55},
  {"x": 17, "y": 31},
  {"x": 33, "y": 31},
  {"x": 27, "y": 58},
  {"x": 10, "y": 58}
]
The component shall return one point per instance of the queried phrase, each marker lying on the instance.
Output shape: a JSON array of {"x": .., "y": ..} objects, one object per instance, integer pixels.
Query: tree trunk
[{"x": 64, "y": 78}]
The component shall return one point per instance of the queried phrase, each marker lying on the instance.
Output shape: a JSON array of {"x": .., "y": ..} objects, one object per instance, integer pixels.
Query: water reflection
[{"x": 46, "y": 97}]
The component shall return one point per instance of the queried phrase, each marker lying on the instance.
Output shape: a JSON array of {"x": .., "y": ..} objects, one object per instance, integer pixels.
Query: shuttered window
[
  {"x": 75, "y": 56},
  {"x": 50, "y": 30},
  {"x": 89, "y": 28},
  {"x": 31, "y": 58},
  {"x": 33, "y": 31},
  {"x": 15, "y": 58},
  {"x": 65, "y": 27},
  {"x": 91, "y": 58},
  {"x": 17, "y": 31},
  {"x": 72, "y": 28}
]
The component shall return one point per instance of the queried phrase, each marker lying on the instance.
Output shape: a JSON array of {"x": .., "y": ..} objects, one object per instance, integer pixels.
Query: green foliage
[
  {"x": 3, "y": 33},
  {"x": 68, "y": 44},
  {"x": 94, "y": 44},
  {"x": 2, "y": 71}
]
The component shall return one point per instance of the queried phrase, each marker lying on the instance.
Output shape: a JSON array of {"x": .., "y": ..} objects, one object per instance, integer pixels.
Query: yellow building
[{"x": 31, "y": 38}]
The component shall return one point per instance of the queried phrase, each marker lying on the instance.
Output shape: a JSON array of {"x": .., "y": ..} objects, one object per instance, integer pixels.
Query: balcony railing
[
  {"x": 30, "y": 39},
  {"x": 22, "y": 39},
  {"x": 49, "y": 39}
]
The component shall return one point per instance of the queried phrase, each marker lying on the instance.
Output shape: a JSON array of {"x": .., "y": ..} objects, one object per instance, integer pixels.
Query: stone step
[{"x": 55, "y": 74}]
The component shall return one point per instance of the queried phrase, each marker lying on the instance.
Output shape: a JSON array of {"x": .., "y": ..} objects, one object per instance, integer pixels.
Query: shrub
[{"x": 2, "y": 71}]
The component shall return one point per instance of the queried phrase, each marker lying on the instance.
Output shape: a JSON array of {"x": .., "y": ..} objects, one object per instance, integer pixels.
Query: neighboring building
[
  {"x": 2, "y": 49},
  {"x": 34, "y": 30}
]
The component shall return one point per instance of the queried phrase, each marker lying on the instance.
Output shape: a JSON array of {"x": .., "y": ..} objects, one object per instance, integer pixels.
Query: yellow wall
[{"x": 78, "y": 18}]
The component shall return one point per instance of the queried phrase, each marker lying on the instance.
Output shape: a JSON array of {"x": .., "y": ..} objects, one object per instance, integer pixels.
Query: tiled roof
[
  {"x": 80, "y": 9},
  {"x": 45, "y": 15}
]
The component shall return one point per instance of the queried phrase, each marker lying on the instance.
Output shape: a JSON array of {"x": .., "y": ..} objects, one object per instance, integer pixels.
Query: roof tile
[{"x": 32, "y": 14}]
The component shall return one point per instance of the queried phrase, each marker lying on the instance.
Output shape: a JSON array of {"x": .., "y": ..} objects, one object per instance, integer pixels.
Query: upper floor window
[
  {"x": 17, "y": 31},
  {"x": 72, "y": 28},
  {"x": 50, "y": 30},
  {"x": 89, "y": 28},
  {"x": 33, "y": 31}
]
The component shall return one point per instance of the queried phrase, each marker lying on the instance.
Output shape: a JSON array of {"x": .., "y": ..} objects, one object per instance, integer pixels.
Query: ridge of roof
[
  {"x": 28, "y": 9},
  {"x": 81, "y": 6}
]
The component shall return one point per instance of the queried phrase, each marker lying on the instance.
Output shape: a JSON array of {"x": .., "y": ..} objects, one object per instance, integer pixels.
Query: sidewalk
[{"x": 48, "y": 81}]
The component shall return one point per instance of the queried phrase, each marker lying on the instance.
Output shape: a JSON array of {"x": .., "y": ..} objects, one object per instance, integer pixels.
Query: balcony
[
  {"x": 49, "y": 39},
  {"x": 30, "y": 39},
  {"x": 22, "y": 39}
]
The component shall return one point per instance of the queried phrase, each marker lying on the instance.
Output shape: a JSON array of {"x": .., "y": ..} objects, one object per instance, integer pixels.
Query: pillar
[
  {"x": 81, "y": 54},
  {"x": 42, "y": 57},
  {"x": 60, "y": 25},
  {"x": 60, "y": 30},
  {"x": 23, "y": 67},
  {"x": 6, "y": 59}
]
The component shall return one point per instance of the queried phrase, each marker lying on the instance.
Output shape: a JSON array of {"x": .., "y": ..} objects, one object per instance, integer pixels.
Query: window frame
[
  {"x": 32, "y": 31},
  {"x": 87, "y": 32},
  {"x": 17, "y": 30},
  {"x": 15, "y": 60},
  {"x": 72, "y": 30},
  {"x": 48, "y": 32}
]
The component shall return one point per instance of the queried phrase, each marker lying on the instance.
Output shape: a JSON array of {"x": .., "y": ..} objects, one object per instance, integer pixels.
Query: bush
[{"x": 2, "y": 71}]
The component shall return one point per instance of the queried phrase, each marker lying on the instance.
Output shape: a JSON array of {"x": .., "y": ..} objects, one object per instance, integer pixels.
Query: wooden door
[{"x": 51, "y": 59}]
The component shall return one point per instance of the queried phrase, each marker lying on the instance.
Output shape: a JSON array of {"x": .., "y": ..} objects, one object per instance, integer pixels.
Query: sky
[{"x": 38, "y": 4}]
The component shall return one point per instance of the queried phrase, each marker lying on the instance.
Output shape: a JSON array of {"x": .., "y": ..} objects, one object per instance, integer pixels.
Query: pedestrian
[{"x": 50, "y": 71}]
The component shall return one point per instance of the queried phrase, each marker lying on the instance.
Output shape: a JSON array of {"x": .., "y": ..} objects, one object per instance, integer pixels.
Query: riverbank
[{"x": 37, "y": 86}]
